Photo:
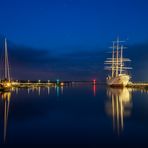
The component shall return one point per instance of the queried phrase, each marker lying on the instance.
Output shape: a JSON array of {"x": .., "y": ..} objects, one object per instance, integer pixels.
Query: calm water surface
[{"x": 82, "y": 114}]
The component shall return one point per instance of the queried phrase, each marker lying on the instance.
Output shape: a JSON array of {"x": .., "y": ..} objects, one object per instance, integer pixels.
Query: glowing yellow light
[
  {"x": 14, "y": 83},
  {"x": 8, "y": 84},
  {"x": 62, "y": 84}
]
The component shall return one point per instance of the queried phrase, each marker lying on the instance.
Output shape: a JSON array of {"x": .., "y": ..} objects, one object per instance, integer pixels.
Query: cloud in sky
[{"x": 28, "y": 63}]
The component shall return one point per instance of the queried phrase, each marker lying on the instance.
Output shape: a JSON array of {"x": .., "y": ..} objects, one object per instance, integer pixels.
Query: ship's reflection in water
[
  {"x": 6, "y": 96},
  {"x": 118, "y": 106}
]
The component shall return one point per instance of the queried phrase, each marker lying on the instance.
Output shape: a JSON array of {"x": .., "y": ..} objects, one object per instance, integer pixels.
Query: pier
[
  {"x": 29, "y": 84},
  {"x": 39, "y": 83},
  {"x": 140, "y": 85}
]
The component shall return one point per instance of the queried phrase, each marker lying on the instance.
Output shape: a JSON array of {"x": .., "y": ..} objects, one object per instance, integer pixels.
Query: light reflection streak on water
[
  {"x": 28, "y": 90},
  {"x": 48, "y": 90},
  {"x": 62, "y": 90},
  {"x": 39, "y": 91},
  {"x": 94, "y": 90},
  {"x": 6, "y": 96},
  {"x": 119, "y": 106},
  {"x": 57, "y": 91}
]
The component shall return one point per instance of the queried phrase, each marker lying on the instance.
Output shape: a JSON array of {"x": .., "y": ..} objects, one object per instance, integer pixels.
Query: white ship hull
[{"x": 119, "y": 81}]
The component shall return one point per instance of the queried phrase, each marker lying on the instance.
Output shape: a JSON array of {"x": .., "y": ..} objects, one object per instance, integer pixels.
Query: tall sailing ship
[
  {"x": 5, "y": 83},
  {"x": 116, "y": 64}
]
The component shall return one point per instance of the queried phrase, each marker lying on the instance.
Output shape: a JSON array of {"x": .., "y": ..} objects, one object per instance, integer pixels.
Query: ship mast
[
  {"x": 121, "y": 59},
  {"x": 116, "y": 63},
  {"x": 113, "y": 59},
  {"x": 117, "y": 56},
  {"x": 6, "y": 64}
]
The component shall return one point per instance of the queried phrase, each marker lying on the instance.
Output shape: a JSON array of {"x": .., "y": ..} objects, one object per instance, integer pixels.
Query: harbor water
[{"x": 79, "y": 114}]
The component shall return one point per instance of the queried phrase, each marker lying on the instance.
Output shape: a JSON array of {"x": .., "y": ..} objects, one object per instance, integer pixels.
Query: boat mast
[
  {"x": 6, "y": 72},
  {"x": 116, "y": 63},
  {"x": 117, "y": 56},
  {"x": 113, "y": 60},
  {"x": 121, "y": 59}
]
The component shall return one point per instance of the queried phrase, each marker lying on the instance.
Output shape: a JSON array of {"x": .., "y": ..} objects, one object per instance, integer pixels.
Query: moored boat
[
  {"x": 5, "y": 84},
  {"x": 119, "y": 76}
]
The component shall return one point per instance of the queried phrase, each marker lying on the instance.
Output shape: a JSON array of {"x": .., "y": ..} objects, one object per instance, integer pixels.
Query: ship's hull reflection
[{"x": 118, "y": 106}]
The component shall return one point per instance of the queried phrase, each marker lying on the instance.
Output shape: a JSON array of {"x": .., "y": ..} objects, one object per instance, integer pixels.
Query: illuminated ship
[
  {"x": 5, "y": 83},
  {"x": 119, "y": 76}
]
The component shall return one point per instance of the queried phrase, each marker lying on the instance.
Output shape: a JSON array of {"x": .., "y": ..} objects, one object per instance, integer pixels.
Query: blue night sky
[{"x": 66, "y": 39}]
